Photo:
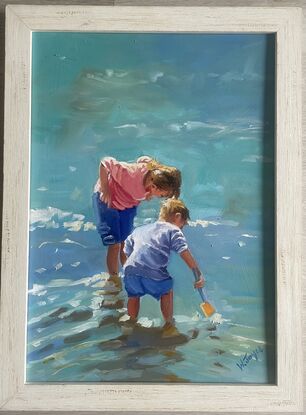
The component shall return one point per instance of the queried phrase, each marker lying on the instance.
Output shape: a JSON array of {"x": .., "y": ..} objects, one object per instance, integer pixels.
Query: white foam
[
  {"x": 241, "y": 244},
  {"x": 242, "y": 338},
  {"x": 49, "y": 225},
  {"x": 89, "y": 226},
  {"x": 235, "y": 353},
  {"x": 193, "y": 125},
  {"x": 36, "y": 343},
  {"x": 231, "y": 76},
  {"x": 95, "y": 303},
  {"x": 39, "y": 318},
  {"x": 124, "y": 318},
  {"x": 42, "y": 189},
  {"x": 242, "y": 325},
  {"x": 217, "y": 318},
  {"x": 58, "y": 266},
  {"x": 146, "y": 322},
  {"x": 196, "y": 316},
  {"x": 127, "y": 126},
  {"x": 45, "y": 243},
  {"x": 206, "y": 223},
  {"x": 90, "y": 280},
  {"x": 175, "y": 127},
  {"x": 75, "y": 226},
  {"x": 74, "y": 303},
  {"x": 226, "y": 258},
  {"x": 72, "y": 168},
  {"x": 69, "y": 241},
  {"x": 246, "y": 235},
  {"x": 52, "y": 298},
  {"x": 156, "y": 75},
  {"x": 60, "y": 282},
  {"x": 45, "y": 215},
  {"x": 67, "y": 332},
  {"x": 121, "y": 74},
  {"x": 40, "y": 270},
  {"x": 38, "y": 290},
  {"x": 141, "y": 129},
  {"x": 75, "y": 264},
  {"x": 253, "y": 158},
  {"x": 122, "y": 310},
  {"x": 213, "y": 75},
  {"x": 200, "y": 222},
  {"x": 229, "y": 223},
  {"x": 54, "y": 218},
  {"x": 109, "y": 72},
  {"x": 181, "y": 318}
]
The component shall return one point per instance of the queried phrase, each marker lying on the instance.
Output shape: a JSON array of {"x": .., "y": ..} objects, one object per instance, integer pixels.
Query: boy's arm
[
  {"x": 191, "y": 263},
  {"x": 123, "y": 258},
  {"x": 127, "y": 249}
]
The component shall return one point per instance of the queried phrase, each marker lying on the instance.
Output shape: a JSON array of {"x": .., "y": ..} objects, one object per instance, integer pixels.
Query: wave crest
[{"x": 54, "y": 218}]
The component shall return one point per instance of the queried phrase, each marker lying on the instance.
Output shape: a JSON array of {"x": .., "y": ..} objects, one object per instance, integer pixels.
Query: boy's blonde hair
[
  {"x": 165, "y": 178},
  {"x": 172, "y": 206}
]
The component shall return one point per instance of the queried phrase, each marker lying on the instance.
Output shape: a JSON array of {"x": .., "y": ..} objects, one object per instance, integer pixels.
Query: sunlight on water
[{"x": 192, "y": 101}]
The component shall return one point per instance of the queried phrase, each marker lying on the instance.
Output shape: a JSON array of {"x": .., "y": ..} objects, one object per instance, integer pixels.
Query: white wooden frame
[{"x": 287, "y": 394}]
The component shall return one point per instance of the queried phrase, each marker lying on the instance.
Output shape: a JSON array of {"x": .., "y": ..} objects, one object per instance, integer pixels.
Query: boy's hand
[{"x": 200, "y": 283}]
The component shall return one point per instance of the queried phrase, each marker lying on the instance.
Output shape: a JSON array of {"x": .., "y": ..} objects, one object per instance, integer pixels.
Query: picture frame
[{"x": 287, "y": 394}]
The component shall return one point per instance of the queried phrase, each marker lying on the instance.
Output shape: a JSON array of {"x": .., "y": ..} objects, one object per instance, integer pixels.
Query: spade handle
[
  {"x": 203, "y": 294},
  {"x": 202, "y": 291}
]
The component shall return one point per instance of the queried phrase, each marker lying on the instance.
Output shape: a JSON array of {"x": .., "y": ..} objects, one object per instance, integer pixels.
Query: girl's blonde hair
[
  {"x": 172, "y": 206},
  {"x": 165, "y": 178}
]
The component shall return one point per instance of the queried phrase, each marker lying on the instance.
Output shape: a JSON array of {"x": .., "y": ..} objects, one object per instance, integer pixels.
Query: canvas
[{"x": 204, "y": 104}]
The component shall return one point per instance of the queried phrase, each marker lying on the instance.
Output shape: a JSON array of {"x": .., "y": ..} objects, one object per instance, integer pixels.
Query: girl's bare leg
[
  {"x": 112, "y": 259},
  {"x": 133, "y": 307},
  {"x": 122, "y": 254},
  {"x": 112, "y": 262}
]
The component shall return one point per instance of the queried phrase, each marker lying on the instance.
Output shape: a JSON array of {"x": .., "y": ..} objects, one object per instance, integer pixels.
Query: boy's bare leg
[
  {"x": 166, "y": 306},
  {"x": 133, "y": 307}
]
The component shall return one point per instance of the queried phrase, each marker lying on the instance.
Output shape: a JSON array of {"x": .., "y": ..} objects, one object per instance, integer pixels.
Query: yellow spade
[{"x": 206, "y": 307}]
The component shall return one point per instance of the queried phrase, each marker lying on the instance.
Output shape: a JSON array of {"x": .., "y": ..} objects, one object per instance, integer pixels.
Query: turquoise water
[{"x": 203, "y": 103}]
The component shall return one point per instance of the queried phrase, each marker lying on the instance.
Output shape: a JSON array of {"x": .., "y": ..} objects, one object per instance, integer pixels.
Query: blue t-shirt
[{"x": 148, "y": 249}]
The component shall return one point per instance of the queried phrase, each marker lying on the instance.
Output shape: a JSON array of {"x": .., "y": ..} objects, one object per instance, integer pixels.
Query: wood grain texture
[
  {"x": 93, "y": 18},
  {"x": 12, "y": 386}
]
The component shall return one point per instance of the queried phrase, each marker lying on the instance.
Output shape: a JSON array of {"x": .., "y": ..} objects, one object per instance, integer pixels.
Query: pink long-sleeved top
[{"x": 125, "y": 181}]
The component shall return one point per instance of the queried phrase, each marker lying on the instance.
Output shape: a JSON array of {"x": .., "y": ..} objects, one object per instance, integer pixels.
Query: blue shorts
[
  {"x": 138, "y": 286},
  {"x": 113, "y": 225}
]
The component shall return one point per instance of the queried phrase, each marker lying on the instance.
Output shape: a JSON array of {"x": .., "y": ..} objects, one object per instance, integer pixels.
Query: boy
[{"x": 147, "y": 252}]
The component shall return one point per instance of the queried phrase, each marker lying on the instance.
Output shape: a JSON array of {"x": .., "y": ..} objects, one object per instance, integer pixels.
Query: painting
[{"x": 151, "y": 234}]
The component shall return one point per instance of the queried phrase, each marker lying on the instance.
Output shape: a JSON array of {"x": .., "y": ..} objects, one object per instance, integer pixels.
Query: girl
[{"x": 119, "y": 190}]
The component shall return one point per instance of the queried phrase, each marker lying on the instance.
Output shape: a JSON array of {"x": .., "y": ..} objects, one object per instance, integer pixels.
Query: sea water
[{"x": 203, "y": 103}]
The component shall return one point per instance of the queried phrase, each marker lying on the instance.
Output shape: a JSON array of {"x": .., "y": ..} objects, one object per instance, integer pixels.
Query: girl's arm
[
  {"x": 105, "y": 194},
  {"x": 191, "y": 263}
]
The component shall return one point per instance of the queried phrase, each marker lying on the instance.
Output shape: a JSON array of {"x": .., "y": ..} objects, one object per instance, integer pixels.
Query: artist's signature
[{"x": 245, "y": 359}]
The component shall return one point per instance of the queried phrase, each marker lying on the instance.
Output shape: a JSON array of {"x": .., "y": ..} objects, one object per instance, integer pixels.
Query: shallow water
[{"x": 190, "y": 101}]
